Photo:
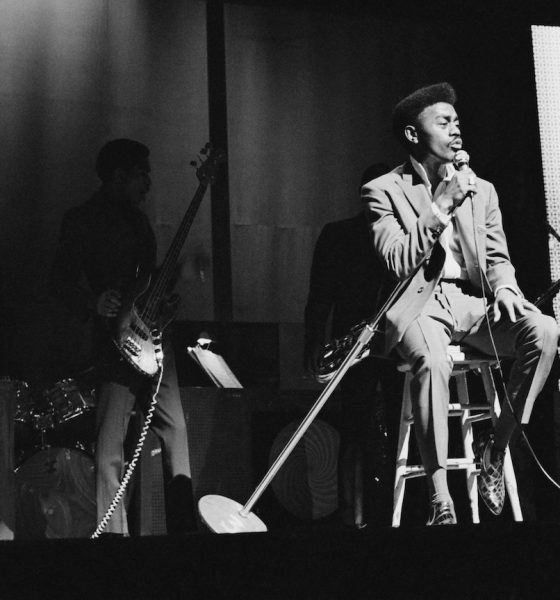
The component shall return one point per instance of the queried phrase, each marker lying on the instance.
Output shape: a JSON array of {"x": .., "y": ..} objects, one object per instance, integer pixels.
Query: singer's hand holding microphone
[{"x": 461, "y": 186}]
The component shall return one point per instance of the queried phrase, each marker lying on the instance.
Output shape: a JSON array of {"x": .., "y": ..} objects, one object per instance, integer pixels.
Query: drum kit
[{"x": 53, "y": 457}]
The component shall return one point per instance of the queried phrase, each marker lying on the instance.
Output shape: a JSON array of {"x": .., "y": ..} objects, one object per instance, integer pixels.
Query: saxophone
[{"x": 335, "y": 351}]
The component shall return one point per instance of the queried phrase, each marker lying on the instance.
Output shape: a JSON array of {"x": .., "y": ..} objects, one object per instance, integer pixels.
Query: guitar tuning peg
[{"x": 193, "y": 163}]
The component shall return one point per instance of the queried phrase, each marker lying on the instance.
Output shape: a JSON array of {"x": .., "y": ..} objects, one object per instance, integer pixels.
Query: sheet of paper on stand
[{"x": 215, "y": 366}]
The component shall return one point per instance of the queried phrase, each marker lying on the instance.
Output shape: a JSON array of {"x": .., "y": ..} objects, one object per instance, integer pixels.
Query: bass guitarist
[{"x": 104, "y": 245}]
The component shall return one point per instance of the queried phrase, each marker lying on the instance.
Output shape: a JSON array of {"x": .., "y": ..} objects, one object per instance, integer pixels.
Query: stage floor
[{"x": 490, "y": 560}]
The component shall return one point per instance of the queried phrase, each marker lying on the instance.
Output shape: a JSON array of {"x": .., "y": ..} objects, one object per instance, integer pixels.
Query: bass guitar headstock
[{"x": 207, "y": 164}]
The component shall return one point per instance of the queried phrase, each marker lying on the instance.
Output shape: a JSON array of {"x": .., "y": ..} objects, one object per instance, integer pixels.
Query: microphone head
[{"x": 461, "y": 160}]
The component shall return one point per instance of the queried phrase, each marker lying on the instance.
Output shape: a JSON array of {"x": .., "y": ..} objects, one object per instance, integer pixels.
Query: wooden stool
[{"x": 464, "y": 361}]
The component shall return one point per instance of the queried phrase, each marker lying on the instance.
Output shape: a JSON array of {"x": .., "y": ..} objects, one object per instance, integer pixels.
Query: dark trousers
[{"x": 370, "y": 391}]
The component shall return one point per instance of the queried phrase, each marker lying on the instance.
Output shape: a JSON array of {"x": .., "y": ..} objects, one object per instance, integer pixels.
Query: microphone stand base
[{"x": 222, "y": 515}]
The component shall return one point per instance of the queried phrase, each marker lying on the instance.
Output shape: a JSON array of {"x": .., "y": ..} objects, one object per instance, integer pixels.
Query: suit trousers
[
  {"x": 119, "y": 392},
  {"x": 531, "y": 341}
]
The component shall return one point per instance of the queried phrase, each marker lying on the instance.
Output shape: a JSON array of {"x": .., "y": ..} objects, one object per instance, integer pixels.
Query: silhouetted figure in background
[
  {"x": 108, "y": 240},
  {"x": 344, "y": 286}
]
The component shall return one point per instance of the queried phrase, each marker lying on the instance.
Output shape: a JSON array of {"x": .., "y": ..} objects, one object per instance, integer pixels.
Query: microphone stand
[{"x": 223, "y": 515}]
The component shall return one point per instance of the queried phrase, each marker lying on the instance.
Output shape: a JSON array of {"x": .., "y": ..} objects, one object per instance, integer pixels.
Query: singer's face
[{"x": 438, "y": 133}]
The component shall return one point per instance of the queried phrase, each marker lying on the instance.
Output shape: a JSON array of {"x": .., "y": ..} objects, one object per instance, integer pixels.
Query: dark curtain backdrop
[
  {"x": 309, "y": 97},
  {"x": 72, "y": 76}
]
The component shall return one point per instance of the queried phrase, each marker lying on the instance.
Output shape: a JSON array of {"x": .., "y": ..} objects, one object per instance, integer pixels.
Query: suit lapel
[
  {"x": 413, "y": 188},
  {"x": 470, "y": 217}
]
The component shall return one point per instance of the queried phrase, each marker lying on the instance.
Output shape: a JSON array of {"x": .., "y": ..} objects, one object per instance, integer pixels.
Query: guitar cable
[{"x": 131, "y": 466}]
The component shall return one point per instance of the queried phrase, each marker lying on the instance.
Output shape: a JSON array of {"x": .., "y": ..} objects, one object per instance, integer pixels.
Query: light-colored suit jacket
[{"x": 404, "y": 229}]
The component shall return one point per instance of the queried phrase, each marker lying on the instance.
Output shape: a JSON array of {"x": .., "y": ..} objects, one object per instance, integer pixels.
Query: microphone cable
[{"x": 499, "y": 366}]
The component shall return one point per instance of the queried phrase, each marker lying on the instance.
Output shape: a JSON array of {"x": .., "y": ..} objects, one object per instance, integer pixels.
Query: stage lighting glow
[{"x": 546, "y": 52}]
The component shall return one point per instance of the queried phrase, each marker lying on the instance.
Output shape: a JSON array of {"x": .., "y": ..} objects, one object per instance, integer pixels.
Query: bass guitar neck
[{"x": 143, "y": 317}]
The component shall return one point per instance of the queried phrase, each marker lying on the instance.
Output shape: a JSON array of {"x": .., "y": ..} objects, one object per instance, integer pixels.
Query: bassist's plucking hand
[{"x": 109, "y": 303}]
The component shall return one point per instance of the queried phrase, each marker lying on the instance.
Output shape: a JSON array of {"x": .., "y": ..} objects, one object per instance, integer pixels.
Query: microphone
[
  {"x": 461, "y": 163},
  {"x": 461, "y": 160}
]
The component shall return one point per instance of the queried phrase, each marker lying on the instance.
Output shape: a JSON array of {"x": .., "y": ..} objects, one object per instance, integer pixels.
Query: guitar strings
[{"x": 150, "y": 308}]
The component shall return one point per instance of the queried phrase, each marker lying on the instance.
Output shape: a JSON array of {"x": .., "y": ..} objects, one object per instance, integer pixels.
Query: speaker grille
[{"x": 307, "y": 485}]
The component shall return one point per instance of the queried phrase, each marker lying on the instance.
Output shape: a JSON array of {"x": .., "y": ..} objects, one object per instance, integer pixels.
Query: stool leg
[
  {"x": 511, "y": 487},
  {"x": 509, "y": 473},
  {"x": 490, "y": 391},
  {"x": 467, "y": 434},
  {"x": 402, "y": 451}
]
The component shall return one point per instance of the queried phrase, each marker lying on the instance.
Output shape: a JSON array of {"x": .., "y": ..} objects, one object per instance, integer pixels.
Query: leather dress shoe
[
  {"x": 442, "y": 513},
  {"x": 491, "y": 485}
]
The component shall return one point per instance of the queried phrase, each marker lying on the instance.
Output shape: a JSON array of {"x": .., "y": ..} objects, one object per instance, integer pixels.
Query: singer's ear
[{"x": 411, "y": 134}]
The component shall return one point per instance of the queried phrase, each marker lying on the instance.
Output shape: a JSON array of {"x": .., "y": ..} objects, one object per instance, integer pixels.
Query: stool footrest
[
  {"x": 453, "y": 464},
  {"x": 485, "y": 407},
  {"x": 481, "y": 417},
  {"x": 457, "y": 410}
]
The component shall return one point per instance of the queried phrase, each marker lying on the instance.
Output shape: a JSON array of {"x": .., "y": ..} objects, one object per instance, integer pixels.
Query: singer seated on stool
[{"x": 437, "y": 226}]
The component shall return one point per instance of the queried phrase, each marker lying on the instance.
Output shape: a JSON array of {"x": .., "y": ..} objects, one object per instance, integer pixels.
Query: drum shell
[
  {"x": 66, "y": 400},
  {"x": 68, "y": 416},
  {"x": 55, "y": 490}
]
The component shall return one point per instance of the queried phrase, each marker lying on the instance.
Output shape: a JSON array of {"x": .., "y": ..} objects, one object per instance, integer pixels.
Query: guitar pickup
[{"x": 132, "y": 346}]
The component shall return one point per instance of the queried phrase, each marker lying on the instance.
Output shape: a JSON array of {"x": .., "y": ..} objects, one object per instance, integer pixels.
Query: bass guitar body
[{"x": 138, "y": 332}]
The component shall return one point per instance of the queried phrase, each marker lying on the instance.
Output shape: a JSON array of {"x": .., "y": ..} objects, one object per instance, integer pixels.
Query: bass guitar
[{"x": 146, "y": 308}]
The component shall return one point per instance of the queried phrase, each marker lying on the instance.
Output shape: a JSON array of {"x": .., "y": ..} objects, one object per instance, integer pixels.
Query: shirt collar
[{"x": 445, "y": 172}]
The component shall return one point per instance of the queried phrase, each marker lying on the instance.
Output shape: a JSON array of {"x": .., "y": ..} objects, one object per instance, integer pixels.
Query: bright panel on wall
[{"x": 546, "y": 51}]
